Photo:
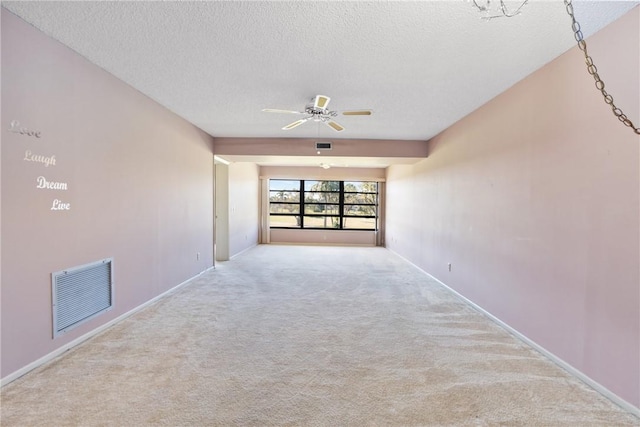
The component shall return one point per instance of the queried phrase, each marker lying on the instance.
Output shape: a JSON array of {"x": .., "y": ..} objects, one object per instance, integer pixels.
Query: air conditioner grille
[{"x": 80, "y": 294}]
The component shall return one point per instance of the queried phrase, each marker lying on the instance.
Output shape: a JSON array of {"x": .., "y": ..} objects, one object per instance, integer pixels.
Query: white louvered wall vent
[{"x": 81, "y": 293}]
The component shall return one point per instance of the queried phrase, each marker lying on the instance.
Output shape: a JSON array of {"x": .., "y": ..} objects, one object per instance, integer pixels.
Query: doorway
[{"x": 221, "y": 211}]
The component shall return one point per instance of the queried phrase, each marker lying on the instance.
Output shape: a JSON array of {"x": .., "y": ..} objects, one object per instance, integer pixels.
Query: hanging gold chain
[{"x": 593, "y": 70}]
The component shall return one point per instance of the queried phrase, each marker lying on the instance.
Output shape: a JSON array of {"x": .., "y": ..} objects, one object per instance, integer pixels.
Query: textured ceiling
[{"x": 420, "y": 66}]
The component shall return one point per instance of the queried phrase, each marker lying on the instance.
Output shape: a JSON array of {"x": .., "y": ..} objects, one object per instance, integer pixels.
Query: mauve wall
[
  {"x": 534, "y": 200},
  {"x": 306, "y": 147},
  {"x": 314, "y": 172},
  {"x": 139, "y": 185},
  {"x": 244, "y": 205},
  {"x": 323, "y": 237}
]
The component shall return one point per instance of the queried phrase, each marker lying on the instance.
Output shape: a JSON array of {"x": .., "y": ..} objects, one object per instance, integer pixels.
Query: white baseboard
[
  {"x": 347, "y": 245},
  {"x": 68, "y": 346},
  {"x": 243, "y": 251},
  {"x": 558, "y": 361}
]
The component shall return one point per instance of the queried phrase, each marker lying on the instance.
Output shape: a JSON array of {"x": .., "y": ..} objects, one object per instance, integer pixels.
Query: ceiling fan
[{"x": 317, "y": 111}]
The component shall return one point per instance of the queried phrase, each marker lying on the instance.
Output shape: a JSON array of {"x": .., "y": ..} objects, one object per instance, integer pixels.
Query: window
[
  {"x": 284, "y": 203},
  {"x": 360, "y": 205},
  {"x": 311, "y": 204}
]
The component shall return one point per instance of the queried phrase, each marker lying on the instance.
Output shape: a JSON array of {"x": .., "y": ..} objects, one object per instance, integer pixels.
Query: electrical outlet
[
  {"x": 197, "y": 256},
  {"x": 449, "y": 266}
]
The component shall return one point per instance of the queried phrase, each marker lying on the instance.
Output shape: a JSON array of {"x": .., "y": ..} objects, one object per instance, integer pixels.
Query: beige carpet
[{"x": 306, "y": 336}]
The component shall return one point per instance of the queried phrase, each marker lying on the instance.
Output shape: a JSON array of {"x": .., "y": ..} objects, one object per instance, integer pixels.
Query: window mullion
[
  {"x": 302, "y": 195},
  {"x": 341, "y": 205}
]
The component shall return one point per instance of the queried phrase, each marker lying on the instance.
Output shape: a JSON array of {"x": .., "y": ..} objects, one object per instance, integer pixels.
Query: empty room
[{"x": 320, "y": 213}]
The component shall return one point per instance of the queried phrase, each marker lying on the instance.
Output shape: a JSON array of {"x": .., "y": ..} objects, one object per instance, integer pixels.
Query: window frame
[{"x": 339, "y": 219}]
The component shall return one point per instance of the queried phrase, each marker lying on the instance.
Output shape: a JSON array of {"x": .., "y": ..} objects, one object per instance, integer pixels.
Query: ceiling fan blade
[
  {"x": 335, "y": 126},
  {"x": 294, "y": 124},
  {"x": 274, "y": 110},
  {"x": 321, "y": 102},
  {"x": 357, "y": 113}
]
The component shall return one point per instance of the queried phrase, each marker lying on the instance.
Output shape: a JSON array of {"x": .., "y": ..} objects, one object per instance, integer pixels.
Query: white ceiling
[{"x": 420, "y": 66}]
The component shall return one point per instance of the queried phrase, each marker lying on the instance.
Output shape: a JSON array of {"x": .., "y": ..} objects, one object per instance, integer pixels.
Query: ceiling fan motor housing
[{"x": 319, "y": 113}]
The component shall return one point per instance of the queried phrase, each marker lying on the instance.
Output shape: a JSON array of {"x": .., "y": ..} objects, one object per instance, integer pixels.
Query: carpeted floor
[{"x": 306, "y": 336}]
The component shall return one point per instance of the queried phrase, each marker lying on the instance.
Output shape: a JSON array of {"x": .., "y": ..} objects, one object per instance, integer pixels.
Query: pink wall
[
  {"x": 314, "y": 172},
  {"x": 244, "y": 206},
  {"x": 324, "y": 237},
  {"x": 139, "y": 184},
  {"x": 306, "y": 147},
  {"x": 535, "y": 201}
]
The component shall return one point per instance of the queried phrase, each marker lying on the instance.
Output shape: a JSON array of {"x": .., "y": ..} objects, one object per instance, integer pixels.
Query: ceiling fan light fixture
[{"x": 317, "y": 111}]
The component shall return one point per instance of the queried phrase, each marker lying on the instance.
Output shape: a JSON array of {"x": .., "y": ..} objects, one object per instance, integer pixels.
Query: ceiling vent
[{"x": 323, "y": 146}]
